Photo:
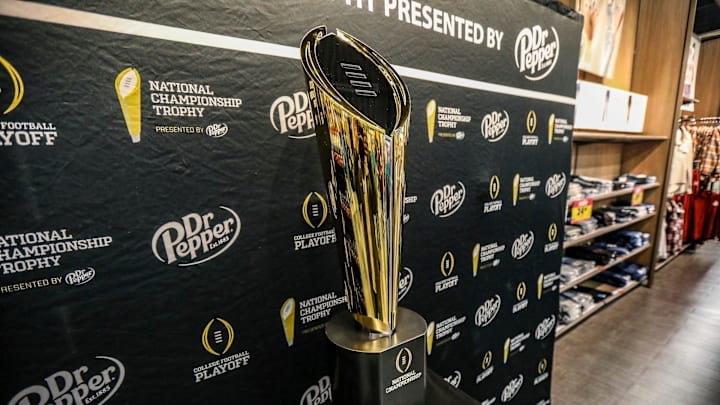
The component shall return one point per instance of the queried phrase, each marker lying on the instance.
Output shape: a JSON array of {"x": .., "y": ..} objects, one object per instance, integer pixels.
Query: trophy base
[{"x": 386, "y": 370}]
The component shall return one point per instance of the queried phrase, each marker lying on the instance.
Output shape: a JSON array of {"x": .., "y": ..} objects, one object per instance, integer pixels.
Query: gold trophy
[
  {"x": 516, "y": 188},
  {"x": 287, "y": 316},
  {"x": 540, "y": 284},
  {"x": 430, "y": 337},
  {"x": 361, "y": 109},
  {"x": 475, "y": 258},
  {"x": 127, "y": 87},
  {"x": 430, "y": 114},
  {"x": 551, "y": 128}
]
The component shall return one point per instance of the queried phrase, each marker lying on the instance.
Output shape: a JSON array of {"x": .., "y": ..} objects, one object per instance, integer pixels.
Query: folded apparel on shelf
[
  {"x": 605, "y": 217},
  {"x": 620, "y": 250},
  {"x": 635, "y": 271},
  {"x": 569, "y": 311},
  {"x": 638, "y": 178},
  {"x": 592, "y": 185},
  {"x": 598, "y": 255},
  {"x": 629, "y": 239},
  {"x": 575, "y": 192},
  {"x": 622, "y": 185},
  {"x": 588, "y": 225},
  {"x": 572, "y": 231},
  {"x": 584, "y": 299},
  {"x": 597, "y": 295},
  {"x": 613, "y": 279},
  {"x": 574, "y": 268}
]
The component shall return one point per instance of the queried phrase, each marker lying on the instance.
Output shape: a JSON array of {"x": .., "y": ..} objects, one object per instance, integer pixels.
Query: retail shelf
[
  {"x": 600, "y": 269},
  {"x": 616, "y": 294},
  {"x": 616, "y": 193},
  {"x": 667, "y": 261},
  {"x": 604, "y": 230},
  {"x": 616, "y": 137}
]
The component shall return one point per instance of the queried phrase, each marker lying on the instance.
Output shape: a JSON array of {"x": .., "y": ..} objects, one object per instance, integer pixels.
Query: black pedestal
[{"x": 387, "y": 370}]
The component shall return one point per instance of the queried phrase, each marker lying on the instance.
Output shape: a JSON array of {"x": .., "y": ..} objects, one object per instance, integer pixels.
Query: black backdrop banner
[{"x": 165, "y": 233}]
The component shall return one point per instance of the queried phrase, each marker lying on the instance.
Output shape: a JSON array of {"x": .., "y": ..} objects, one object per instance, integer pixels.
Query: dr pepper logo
[
  {"x": 94, "y": 382},
  {"x": 197, "y": 237},
  {"x": 292, "y": 116},
  {"x": 536, "y": 52}
]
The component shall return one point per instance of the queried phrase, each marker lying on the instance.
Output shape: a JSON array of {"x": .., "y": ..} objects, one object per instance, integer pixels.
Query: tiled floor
[{"x": 655, "y": 346}]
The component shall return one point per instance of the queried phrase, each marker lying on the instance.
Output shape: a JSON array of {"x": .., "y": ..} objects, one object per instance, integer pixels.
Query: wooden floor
[{"x": 654, "y": 346}]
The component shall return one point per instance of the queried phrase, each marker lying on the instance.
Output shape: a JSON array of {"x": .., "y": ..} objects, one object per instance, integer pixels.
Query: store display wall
[{"x": 166, "y": 234}]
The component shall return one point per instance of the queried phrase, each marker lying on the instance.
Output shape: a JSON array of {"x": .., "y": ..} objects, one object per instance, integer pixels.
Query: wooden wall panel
[
  {"x": 707, "y": 89},
  {"x": 660, "y": 51},
  {"x": 603, "y": 160}
]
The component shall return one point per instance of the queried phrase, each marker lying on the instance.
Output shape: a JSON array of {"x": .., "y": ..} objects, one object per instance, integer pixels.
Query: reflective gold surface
[{"x": 363, "y": 162}]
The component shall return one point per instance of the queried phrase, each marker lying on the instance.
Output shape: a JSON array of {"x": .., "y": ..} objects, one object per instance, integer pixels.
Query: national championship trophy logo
[
  {"x": 287, "y": 316},
  {"x": 430, "y": 115},
  {"x": 430, "y": 337},
  {"x": 475, "y": 258},
  {"x": 540, "y": 284},
  {"x": 127, "y": 87}
]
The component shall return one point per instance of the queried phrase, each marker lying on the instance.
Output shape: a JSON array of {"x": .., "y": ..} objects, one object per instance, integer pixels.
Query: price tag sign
[
  {"x": 638, "y": 195},
  {"x": 581, "y": 210}
]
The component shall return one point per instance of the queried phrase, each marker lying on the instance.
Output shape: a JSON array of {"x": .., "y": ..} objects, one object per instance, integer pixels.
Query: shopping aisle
[{"x": 655, "y": 346}]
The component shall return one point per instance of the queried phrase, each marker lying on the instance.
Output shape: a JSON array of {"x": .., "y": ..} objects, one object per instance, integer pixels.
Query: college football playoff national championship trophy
[{"x": 361, "y": 109}]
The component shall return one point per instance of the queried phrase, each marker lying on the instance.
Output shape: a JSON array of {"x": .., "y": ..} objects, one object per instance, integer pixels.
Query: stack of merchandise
[
  {"x": 575, "y": 192},
  {"x": 622, "y": 212},
  {"x": 621, "y": 274},
  {"x": 581, "y": 228},
  {"x": 635, "y": 271},
  {"x": 573, "y": 268},
  {"x": 583, "y": 187},
  {"x": 572, "y": 231},
  {"x": 573, "y": 304},
  {"x": 628, "y": 239},
  {"x": 631, "y": 180},
  {"x": 597, "y": 254}
]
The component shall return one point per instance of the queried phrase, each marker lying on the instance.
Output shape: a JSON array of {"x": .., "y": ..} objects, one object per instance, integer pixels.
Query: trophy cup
[{"x": 362, "y": 110}]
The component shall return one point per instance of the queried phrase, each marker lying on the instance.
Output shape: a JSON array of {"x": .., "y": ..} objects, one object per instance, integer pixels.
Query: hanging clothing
[
  {"x": 702, "y": 207},
  {"x": 707, "y": 151},
  {"x": 682, "y": 163}
]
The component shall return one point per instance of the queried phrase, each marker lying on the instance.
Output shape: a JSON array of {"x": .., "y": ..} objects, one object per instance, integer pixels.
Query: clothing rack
[{"x": 706, "y": 119}]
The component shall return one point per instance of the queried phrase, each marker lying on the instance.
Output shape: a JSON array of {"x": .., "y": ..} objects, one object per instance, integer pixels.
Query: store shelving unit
[
  {"x": 616, "y": 294},
  {"x": 599, "y": 269},
  {"x": 641, "y": 69}
]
